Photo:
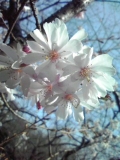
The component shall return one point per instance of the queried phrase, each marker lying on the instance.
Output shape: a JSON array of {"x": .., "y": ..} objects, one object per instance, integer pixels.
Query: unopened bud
[
  {"x": 39, "y": 105},
  {"x": 80, "y": 15},
  {"x": 26, "y": 49}
]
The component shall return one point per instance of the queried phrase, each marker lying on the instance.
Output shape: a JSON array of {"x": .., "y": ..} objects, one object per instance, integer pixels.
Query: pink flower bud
[
  {"x": 23, "y": 65},
  {"x": 35, "y": 76},
  {"x": 80, "y": 15},
  {"x": 39, "y": 105},
  {"x": 26, "y": 49}
]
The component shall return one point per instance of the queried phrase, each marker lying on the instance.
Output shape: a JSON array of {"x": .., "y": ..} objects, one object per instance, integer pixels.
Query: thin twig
[
  {"x": 8, "y": 106},
  {"x": 35, "y": 14},
  {"x": 68, "y": 11},
  {"x": 50, "y": 147},
  {"x": 8, "y": 28},
  {"x": 16, "y": 18},
  {"x": 16, "y": 134},
  {"x": 56, "y": 154}
]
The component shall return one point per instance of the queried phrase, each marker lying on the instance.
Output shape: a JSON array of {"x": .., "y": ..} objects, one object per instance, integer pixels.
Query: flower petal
[
  {"x": 76, "y": 101},
  {"x": 85, "y": 90},
  {"x": 79, "y": 60},
  {"x": 56, "y": 31},
  {"x": 37, "y": 35},
  {"x": 101, "y": 89},
  {"x": 87, "y": 59},
  {"x": 89, "y": 104},
  {"x": 30, "y": 71},
  {"x": 41, "y": 66},
  {"x": 49, "y": 109},
  {"x": 16, "y": 64},
  {"x": 25, "y": 84},
  {"x": 71, "y": 46},
  {"x": 13, "y": 81},
  {"x": 80, "y": 35},
  {"x": 62, "y": 34},
  {"x": 54, "y": 100},
  {"x": 62, "y": 112},
  {"x": 106, "y": 82},
  {"x": 33, "y": 58},
  {"x": 78, "y": 113},
  {"x": 11, "y": 53},
  {"x": 69, "y": 69},
  {"x": 35, "y": 47},
  {"x": 102, "y": 69},
  {"x": 5, "y": 75},
  {"x": 36, "y": 87},
  {"x": 20, "y": 53},
  {"x": 49, "y": 71},
  {"x": 73, "y": 87},
  {"x": 60, "y": 65},
  {"x": 50, "y": 32},
  {"x": 102, "y": 60},
  {"x": 3, "y": 88},
  {"x": 86, "y": 49},
  {"x": 5, "y": 61},
  {"x": 40, "y": 36}
]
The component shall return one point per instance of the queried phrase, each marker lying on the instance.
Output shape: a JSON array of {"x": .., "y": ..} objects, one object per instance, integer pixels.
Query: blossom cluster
[{"x": 57, "y": 72}]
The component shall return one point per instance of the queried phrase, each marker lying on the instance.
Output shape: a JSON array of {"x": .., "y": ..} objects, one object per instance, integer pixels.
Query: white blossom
[
  {"x": 58, "y": 73},
  {"x": 94, "y": 75},
  {"x": 55, "y": 47},
  {"x": 11, "y": 74}
]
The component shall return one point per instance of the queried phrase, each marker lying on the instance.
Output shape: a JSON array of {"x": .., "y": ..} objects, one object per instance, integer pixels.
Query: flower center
[
  {"x": 74, "y": 101},
  {"x": 68, "y": 97},
  {"x": 85, "y": 73},
  {"x": 49, "y": 88},
  {"x": 54, "y": 55},
  {"x": 19, "y": 70}
]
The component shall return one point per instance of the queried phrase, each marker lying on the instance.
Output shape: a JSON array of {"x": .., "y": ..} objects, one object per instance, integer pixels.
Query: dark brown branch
[
  {"x": 34, "y": 14},
  {"x": 69, "y": 10},
  {"x": 7, "y": 28},
  {"x": 15, "y": 20}
]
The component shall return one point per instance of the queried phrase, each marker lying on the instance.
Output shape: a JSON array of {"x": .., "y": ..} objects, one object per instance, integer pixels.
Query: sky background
[{"x": 102, "y": 24}]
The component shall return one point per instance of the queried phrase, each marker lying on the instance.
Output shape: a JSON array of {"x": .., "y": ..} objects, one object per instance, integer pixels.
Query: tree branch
[
  {"x": 69, "y": 10},
  {"x": 12, "y": 24},
  {"x": 34, "y": 14}
]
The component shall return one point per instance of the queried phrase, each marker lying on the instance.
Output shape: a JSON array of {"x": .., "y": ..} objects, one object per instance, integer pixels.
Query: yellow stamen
[
  {"x": 54, "y": 55},
  {"x": 88, "y": 79},
  {"x": 85, "y": 73},
  {"x": 46, "y": 57},
  {"x": 68, "y": 97},
  {"x": 49, "y": 88},
  {"x": 19, "y": 70}
]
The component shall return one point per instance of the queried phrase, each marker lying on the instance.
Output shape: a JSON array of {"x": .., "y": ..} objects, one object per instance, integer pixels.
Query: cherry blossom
[
  {"x": 9, "y": 73},
  {"x": 94, "y": 75},
  {"x": 66, "y": 99},
  {"x": 43, "y": 87},
  {"x": 55, "y": 46},
  {"x": 57, "y": 73},
  {"x": 81, "y": 15},
  {"x": 26, "y": 49}
]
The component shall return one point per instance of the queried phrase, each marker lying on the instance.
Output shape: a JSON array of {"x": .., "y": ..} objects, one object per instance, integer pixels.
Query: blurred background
[{"x": 29, "y": 134}]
